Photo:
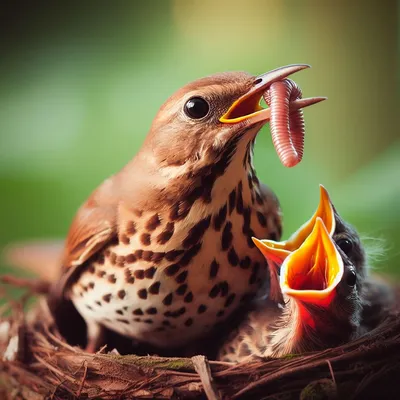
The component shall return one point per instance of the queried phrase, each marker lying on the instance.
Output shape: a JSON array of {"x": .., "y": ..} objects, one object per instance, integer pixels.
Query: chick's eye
[
  {"x": 351, "y": 278},
  {"x": 196, "y": 108},
  {"x": 346, "y": 245}
]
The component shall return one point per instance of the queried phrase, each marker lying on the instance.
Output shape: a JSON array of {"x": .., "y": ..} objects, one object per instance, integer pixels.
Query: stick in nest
[
  {"x": 53, "y": 366},
  {"x": 36, "y": 286}
]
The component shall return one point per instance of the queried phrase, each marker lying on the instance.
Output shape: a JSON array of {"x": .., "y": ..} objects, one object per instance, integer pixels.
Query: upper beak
[
  {"x": 312, "y": 272},
  {"x": 247, "y": 107},
  {"x": 278, "y": 251}
]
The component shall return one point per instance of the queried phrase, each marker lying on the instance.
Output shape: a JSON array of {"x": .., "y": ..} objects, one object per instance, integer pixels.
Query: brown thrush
[
  {"x": 164, "y": 246},
  {"x": 322, "y": 308}
]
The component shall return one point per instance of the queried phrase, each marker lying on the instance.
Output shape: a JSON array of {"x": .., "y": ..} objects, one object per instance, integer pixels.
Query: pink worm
[{"x": 287, "y": 129}]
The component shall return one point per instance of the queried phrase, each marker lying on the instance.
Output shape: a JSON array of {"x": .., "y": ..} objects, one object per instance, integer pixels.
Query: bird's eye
[
  {"x": 196, "y": 108},
  {"x": 346, "y": 245},
  {"x": 351, "y": 278}
]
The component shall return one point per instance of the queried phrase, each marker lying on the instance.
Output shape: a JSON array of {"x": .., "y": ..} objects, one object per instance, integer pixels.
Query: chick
[{"x": 320, "y": 285}]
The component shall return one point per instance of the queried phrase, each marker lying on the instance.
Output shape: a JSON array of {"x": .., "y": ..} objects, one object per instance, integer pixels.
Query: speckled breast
[{"x": 171, "y": 276}]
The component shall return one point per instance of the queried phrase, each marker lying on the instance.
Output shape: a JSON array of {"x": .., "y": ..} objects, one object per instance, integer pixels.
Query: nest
[{"x": 37, "y": 363}]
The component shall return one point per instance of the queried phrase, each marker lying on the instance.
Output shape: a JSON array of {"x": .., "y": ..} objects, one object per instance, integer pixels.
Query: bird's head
[
  {"x": 324, "y": 283},
  {"x": 342, "y": 233},
  {"x": 196, "y": 123},
  {"x": 348, "y": 241},
  {"x": 277, "y": 251}
]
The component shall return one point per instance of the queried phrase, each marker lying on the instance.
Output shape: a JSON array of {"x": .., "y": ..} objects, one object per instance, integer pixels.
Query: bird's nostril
[{"x": 257, "y": 81}]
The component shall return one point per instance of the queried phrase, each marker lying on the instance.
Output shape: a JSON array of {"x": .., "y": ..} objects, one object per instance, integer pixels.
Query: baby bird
[
  {"x": 322, "y": 305},
  {"x": 277, "y": 251}
]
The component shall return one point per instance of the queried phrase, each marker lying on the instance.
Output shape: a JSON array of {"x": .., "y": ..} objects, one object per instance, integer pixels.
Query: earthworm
[{"x": 287, "y": 129}]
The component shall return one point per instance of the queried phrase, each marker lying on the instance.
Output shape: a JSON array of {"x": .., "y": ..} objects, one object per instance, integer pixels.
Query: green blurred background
[{"x": 81, "y": 81}]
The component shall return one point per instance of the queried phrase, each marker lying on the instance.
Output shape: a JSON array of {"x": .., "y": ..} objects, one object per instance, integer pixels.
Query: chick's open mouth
[
  {"x": 313, "y": 274},
  {"x": 315, "y": 269}
]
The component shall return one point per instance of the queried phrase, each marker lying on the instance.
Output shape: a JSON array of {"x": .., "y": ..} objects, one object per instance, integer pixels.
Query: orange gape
[{"x": 287, "y": 128}]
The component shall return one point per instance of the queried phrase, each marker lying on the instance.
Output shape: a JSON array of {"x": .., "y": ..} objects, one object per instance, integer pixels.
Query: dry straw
[{"x": 36, "y": 363}]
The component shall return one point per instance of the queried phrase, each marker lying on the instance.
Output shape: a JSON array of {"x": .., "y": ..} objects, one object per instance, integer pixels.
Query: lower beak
[
  {"x": 278, "y": 251},
  {"x": 247, "y": 108},
  {"x": 312, "y": 272}
]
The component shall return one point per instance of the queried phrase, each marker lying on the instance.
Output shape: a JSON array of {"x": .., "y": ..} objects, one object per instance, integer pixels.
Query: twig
[
  {"x": 286, "y": 372},
  {"x": 37, "y": 286},
  {"x": 331, "y": 369},
  {"x": 203, "y": 369},
  {"x": 83, "y": 378}
]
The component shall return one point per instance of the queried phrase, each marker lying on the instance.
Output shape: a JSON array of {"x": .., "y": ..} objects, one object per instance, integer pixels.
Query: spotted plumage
[
  {"x": 149, "y": 281},
  {"x": 172, "y": 230}
]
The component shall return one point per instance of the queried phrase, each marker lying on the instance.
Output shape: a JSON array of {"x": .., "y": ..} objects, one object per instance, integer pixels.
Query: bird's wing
[{"x": 93, "y": 227}]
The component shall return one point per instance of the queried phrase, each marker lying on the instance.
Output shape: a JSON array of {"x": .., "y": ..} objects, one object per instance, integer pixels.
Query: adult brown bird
[
  {"x": 164, "y": 246},
  {"x": 322, "y": 307}
]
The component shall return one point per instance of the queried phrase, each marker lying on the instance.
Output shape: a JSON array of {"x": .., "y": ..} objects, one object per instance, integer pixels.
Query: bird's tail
[{"x": 42, "y": 257}]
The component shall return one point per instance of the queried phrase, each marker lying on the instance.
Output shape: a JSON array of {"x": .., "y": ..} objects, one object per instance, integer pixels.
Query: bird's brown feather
[
  {"x": 91, "y": 230},
  {"x": 139, "y": 244}
]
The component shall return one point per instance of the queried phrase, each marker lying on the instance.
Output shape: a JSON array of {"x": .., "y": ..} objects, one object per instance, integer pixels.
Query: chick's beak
[
  {"x": 278, "y": 251},
  {"x": 247, "y": 108},
  {"x": 312, "y": 272}
]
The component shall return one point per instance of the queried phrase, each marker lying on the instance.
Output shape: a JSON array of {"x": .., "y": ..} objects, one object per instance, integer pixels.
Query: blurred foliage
[{"x": 81, "y": 81}]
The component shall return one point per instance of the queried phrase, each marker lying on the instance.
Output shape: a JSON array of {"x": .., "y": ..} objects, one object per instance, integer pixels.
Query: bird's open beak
[
  {"x": 247, "y": 108},
  {"x": 278, "y": 251},
  {"x": 312, "y": 272}
]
